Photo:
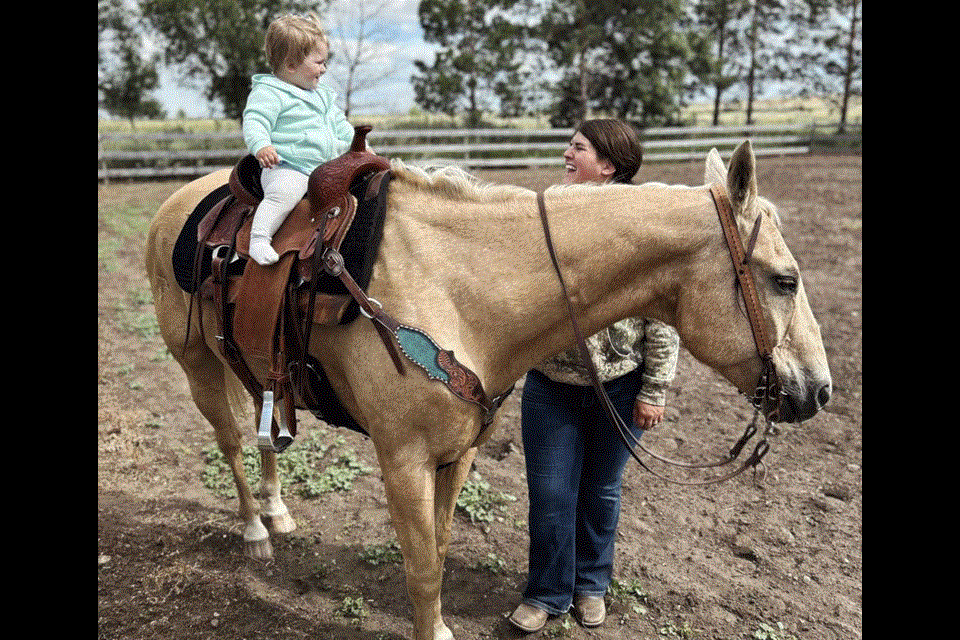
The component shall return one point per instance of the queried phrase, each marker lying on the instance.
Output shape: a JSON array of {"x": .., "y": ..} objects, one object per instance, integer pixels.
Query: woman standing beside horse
[{"x": 574, "y": 456}]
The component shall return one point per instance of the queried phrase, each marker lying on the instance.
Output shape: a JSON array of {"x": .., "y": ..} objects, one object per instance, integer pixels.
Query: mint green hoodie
[{"x": 307, "y": 128}]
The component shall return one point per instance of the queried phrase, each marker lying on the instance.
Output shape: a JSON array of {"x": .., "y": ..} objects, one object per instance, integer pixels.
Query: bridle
[{"x": 767, "y": 396}]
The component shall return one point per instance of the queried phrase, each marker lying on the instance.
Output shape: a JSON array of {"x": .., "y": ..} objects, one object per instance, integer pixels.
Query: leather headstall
[{"x": 767, "y": 396}]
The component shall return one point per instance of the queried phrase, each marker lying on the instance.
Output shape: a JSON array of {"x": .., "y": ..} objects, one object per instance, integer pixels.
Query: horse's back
[
  {"x": 174, "y": 211},
  {"x": 164, "y": 230}
]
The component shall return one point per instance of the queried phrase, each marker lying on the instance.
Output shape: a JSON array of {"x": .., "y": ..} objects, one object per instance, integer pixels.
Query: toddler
[{"x": 291, "y": 123}]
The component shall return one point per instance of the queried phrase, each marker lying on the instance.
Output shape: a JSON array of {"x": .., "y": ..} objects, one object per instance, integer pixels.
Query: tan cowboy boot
[
  {"x": 528, "y": 618},
  {"x": 591, "y": 610}
]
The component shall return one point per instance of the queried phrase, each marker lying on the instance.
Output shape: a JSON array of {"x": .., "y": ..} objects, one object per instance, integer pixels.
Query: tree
[
  {"x": 748, "y": 36},
  {"x": 573, "y": 35},
  {"x": 124, "y": 77},
  {"x": 831, "y": 62},
  {"x": 219, "y": 43},
  {"x": 718, "y": 18},
  {"x": 627, "y": 58},
  {"x": 476, "y": 67},
  {"x": 359, "y": 47},
  {"x": 767, "y": 58}
]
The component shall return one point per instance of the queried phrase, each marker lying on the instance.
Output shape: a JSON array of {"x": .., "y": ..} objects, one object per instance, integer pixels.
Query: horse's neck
[
  {"x": 618, "y": 249},
  {"x": 621, "y": 242},
  {"x": 621, "y": 253}
]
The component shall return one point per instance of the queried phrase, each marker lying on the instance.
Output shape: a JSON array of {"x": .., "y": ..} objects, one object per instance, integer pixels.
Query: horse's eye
[{"x": 786, "y": 285}]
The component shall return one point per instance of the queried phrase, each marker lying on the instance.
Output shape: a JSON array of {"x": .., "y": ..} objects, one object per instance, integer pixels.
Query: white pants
[{"x": 283, "y": 188}]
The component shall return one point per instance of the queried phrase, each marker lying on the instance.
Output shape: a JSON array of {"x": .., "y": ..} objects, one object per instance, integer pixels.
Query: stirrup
[{"x": 265, "y": 439}]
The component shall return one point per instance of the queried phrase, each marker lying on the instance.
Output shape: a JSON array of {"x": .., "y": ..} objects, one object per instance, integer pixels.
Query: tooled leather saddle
[{"x": 265, "y": 313}]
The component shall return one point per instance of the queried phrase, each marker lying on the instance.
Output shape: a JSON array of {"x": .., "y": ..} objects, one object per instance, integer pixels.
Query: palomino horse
[{"x": 467, "y": 264}]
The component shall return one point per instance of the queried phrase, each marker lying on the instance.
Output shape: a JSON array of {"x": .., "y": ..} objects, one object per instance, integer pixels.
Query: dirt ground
[{"x": 781, "y": 561}]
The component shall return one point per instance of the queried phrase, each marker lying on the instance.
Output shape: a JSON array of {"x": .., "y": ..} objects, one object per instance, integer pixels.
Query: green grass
[
  {"x": 386, "y": 553},
  {"x": 769, "y": 632}
]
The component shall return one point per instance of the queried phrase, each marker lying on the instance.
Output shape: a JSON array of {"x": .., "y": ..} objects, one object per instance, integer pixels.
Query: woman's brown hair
[{"x": 617, "y": 142}]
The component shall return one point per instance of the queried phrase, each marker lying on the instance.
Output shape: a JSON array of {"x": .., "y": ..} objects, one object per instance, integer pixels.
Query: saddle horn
[{"x": 359, "y": 143}]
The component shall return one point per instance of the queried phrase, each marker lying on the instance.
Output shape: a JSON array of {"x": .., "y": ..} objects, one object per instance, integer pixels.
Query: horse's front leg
[
  {"x": 449, "y": 483},
  {"x": 410, "y": 496}
]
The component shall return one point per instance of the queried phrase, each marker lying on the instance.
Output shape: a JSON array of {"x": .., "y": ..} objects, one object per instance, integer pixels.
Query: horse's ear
[
  {"x": 742, "y": 178},
  {"x": 714, "y": 171}
]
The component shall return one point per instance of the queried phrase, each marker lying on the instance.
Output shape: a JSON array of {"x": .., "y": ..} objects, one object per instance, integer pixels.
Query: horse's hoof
[
  {"x": 442, "y": 633},
  {"x": 282, "y": 523},
  {"x": 256, "y": 541},
  {"x": 258, "y": 549}
]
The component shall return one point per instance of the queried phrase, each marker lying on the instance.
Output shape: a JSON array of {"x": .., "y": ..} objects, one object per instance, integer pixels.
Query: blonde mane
[{"x": 453, "y": 182}]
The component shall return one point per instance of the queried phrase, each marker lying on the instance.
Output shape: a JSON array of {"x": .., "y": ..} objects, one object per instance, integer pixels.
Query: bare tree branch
[{"x": 363, "y": 53}]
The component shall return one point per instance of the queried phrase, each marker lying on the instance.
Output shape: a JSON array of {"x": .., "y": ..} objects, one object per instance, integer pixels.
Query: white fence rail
[{"x": 187, "y": 155}]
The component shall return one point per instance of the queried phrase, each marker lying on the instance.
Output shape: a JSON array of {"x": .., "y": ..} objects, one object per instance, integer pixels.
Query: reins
[{"x": 767, "y": 396}]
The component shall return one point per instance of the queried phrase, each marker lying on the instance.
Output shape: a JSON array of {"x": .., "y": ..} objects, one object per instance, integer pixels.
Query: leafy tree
[
  {"x": 628, "y": 58},
  {"x": 573, "y": 34},
  {"x": 476, "y": 68},
  {"x": 831, "y": 60},
  {"x": 748, "y": 37},
  {"x": 718, "y": 18},
  {"x": 124, "y": 77},
  {"x": 767, "y": 58},
  {"x": 219, "y": 43}
]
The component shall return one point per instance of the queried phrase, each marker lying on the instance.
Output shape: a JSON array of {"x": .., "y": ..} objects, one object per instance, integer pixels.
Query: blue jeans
[{"x": 574, "y": 461}]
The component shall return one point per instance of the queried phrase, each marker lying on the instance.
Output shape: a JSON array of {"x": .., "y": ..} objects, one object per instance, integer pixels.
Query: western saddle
[{"x": 265, "y": 313}]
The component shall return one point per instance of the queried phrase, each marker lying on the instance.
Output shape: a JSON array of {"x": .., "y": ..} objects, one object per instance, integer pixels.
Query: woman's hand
[{"x": 647, "y": 416}]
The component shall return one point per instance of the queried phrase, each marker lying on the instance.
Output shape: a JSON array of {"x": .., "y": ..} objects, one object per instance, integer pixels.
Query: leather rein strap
[{"x": 743, "y": 274}]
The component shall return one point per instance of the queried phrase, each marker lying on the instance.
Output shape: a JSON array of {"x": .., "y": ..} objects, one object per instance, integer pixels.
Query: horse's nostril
[{"x": 823, "y": 396}]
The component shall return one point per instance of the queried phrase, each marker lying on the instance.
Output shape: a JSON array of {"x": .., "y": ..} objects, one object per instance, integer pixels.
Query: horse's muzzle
[{"x": 802, "y": 402}]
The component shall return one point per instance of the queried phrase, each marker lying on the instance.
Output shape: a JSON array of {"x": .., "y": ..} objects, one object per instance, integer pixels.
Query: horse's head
[{"x": 720, "y": 334}]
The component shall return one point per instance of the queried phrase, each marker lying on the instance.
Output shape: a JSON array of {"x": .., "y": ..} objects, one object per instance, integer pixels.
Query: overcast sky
[{"x": 392, "y": 96}]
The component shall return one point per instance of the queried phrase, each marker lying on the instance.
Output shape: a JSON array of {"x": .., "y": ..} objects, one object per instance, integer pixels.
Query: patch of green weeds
[
  {"x": 562, "y": 629},
  {"x": 107, "y": 254},
  {"x": 682, "y": 631},
  {"x": 162, "y": 355},
  {"x": 312, "y": 466},
  {"x": 133, "y": 316},
  {"x": 768, "y": 632},
  {"x": 377, "y": 554},
  {"x": 629, "y": 594},
  {"x": 351, "y": 607},
  {"x": 481, "y": 503},
  {"x": 491, "y": 562}
]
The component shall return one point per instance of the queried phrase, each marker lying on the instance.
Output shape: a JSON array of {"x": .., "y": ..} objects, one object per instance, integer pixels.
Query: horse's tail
[{"x": 241, "y": 404}]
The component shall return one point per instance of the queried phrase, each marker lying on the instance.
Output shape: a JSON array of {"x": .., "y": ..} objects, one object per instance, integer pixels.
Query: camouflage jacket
[{"x": 619, "y": 349}]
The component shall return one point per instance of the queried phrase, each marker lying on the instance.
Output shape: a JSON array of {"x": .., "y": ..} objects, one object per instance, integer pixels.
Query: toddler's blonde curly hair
[{"x": 291, "y": 38}]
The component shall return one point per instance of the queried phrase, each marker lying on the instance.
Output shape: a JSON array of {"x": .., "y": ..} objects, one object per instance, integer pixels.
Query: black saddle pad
[
  {"x": 331, "y": 410},
  {"x": 186, "y": 245}
]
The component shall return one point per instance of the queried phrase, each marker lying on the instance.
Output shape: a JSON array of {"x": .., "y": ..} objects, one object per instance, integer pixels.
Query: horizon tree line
[{"x": 638, "y": 60}]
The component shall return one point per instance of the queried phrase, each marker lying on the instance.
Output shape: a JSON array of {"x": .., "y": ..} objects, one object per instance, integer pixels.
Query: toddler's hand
[{"x": 268, "y": 157}]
